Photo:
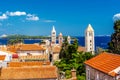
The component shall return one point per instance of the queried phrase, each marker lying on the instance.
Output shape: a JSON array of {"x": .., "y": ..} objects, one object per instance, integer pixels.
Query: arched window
[
  {"x": 90, "y": 41},
  {"x": 90, "y": 33},
  {"x": 53, "y": 32}
]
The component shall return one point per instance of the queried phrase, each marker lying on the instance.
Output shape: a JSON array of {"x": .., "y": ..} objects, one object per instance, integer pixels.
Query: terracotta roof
[
  {"x": 45, "y": 57},
  {"x": 24, "y": 47},
  {"x": 112, "y": 73},
  {"x": 41, "y": 72},
  {"x": 22, "y": 64},
  {"x": 31, "y": 47},
  {"x": 56, "y": 49},
  {"x": 80, "y": 48},
  {"x": 3, "y": 48},
  {"x": 12, "y": 48},
  {"x": 105, "y": 62},
  {"x": 2, "y": 57}
]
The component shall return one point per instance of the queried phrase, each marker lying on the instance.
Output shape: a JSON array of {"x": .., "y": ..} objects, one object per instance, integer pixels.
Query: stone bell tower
[
  {"x": 69, "y": 39},
  {"x": 53, "y": 36},
  {"x": 60, "y": 38},
  {"x": 89, "y": 39}
]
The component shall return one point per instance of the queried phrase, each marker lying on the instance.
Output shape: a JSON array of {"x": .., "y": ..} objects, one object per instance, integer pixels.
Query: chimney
[{"x": 73, "y": 73}]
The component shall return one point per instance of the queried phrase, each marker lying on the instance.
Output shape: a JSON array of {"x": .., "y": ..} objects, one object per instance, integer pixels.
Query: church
[{"x": 89, "y": 42}]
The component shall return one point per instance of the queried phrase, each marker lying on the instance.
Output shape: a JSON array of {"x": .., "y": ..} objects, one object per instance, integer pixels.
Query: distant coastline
[
  {"x": 28, "y": 37},
  {"x": 100, "y": 41}
]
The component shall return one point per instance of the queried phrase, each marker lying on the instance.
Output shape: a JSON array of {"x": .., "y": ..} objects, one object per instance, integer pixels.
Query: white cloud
[
  {"x": 49, "y": 21},
  {"x": 4, "y": 16},
  {"x": 17, "y": 13},
  {"x": 116, "y": 17},
  {"x": 31, "y": 17}
]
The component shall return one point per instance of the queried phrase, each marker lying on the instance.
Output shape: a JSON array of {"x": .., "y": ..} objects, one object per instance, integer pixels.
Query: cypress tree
[{"x": 114, "y": 44}]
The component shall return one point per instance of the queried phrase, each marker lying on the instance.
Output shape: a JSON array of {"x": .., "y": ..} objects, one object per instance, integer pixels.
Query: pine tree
[
  {"x": 114, "y": 45},
  {"x": 68, "y": 49},
  {"x": 63, "y": 52}
]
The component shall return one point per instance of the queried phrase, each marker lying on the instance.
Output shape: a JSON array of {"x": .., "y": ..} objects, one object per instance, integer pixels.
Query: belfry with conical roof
[
  {"x": 69, "y": 39},
  {"x": 89, "y": 39}
]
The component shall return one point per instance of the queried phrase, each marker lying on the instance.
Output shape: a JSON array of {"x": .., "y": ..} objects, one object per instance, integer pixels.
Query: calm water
[{"x": 100, "y": 41}]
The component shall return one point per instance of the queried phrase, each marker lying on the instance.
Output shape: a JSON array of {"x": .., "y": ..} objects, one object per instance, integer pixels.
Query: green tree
[
  {"x": 14, "y": 41},
  {"x": 68, "y": 49},
  {"x": 71, "y": 58},
  {"x": 63, "y": 51},
  {"x": 114, "y": 44}
]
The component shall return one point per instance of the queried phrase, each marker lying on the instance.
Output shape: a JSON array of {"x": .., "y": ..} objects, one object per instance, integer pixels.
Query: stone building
[{"x": 105, "y": 66}]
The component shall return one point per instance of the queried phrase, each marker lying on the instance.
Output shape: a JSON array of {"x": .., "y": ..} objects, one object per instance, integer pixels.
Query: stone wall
[{"x": 93, "y": 74}]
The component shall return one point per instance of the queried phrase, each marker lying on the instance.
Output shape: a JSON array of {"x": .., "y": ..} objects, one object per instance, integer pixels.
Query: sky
[{"x": 70, "y": 17}]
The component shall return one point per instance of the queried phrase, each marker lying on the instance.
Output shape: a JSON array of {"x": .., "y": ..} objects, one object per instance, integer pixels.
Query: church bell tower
[
  {"x": 53, "y": 36},
  {"x": 60, "y": 38},
  {"x": 89, "y": 39},
  {"x": 69, "y": 39}
]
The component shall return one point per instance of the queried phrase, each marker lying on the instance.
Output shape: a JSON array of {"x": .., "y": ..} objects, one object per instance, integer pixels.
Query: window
[
  {"x": 90, "y": 48},
  {"x": 90, "y": 41},
  {"x": 97, "y": 77},
  {"x": 88, "y": 74},
  {"x": 60, "y": 38},
  {"x": 29, "y": 54},
  {"x": 90, "y": 33}
]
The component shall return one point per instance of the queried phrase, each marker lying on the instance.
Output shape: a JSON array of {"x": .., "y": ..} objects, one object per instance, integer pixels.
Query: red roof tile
[
  {"x": 22, "y": 64},
  {"x": 112, "y": 73},
  {"x": 31, "y": 47},
  {"x": 25, "y": 47},
  {"x": 41, "y": 72},
  {"x": 56, "y": 49},
  {"x": 80, "y": 48},
  {"x": 2, "y": 57}
]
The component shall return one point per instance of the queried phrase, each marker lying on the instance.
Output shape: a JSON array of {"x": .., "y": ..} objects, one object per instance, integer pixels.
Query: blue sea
[{"x": 100, "y": 41}]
